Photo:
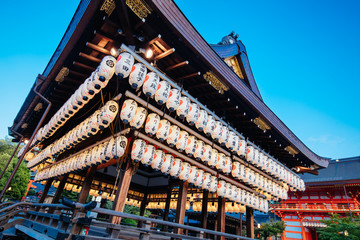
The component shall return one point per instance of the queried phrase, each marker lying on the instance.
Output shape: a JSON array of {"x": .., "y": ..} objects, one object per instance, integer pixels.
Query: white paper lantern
[
  {"x": 206, "y": 157},
  {"x": 124, "y": 64},
  {"x": 162, "y": 92},
  {"x": 232, "y": 141},
  {"x": 158, "y": 159},
  {"x": 193, "y": 174},
  {"x": 221, "y": 161},
  {"x": 235, "y": 172},
  {"x": 128, "y": 110},
  {"x": 167, "y": 164},
  {"x": 228, "y": 164},
  {"x": 193, "y": 114},
  {"x": 210, "y": 125},
  {"x": 207, "y": 181},
  {"x": 213, "y": 184},
  {"x": 224, "y": 136},
  {"x": 148, "y": 155},
  {"x": 256, "y": 157},
  {"x": 200, "y": 178},
  {"x": 151, "y": 84},
  {"x": 250, "y": 154},
  {"x": 201, "y": 122},
  {"x": 183, "y": 109},
  {"x": 242, "y": 149},
  {"x": 98, "y": 81},
  {"x": 109, "y": 112},
  {"x": 119, "y": 147},
  {"x": 138, "y": 149},
  {"x": 182, "y": 141},
  {"x": 214, "y": 158},
  {"x": 200, "y": 148},
  {"x": 137, "y": 75},
  {"x": 217, "y": 131},
  {"x": 139, "y": 118},
  {"x": 152, "y": 124},
  {"x": 185, "y": 171},
  {"x": 163, "y": 130},
  {"x": 93, "y": 126},
  {"x": 106, "y": 154},
  {"x": 191, "y": 146},
  {"x": 221, "y": 188},
  {"x": 176, "y": 168},
  {"x": 228, "y": 190},
  {"x": 173, "y": 101},
  {"x": 174, "y": 134}
]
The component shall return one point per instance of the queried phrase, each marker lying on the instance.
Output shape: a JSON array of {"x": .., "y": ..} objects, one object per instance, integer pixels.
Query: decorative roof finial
[{"x": 229, "y": 39}]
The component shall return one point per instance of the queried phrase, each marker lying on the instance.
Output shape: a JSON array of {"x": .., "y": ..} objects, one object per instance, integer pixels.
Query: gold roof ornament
[
  {"x": 291, "y": 150},
  {"x": 215, "y": 82},
  {"x": 261, "y": 124},
  {"x": 64, "y": 71},
  {"x": 139, "y": 7},
  {"x": 108, "y": 7}
]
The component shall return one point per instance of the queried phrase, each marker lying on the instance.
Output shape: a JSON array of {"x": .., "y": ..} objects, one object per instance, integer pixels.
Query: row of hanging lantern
[
  {"x": 162, "y": 92},
  {"x": 100, "y": 119},
  {"x": 114, "y": 148},
  {"x": 230, "y": 207},
  {"x": 86, "y": 91},
  {"x": 163, "y": 130},
  {"x": 247, "y": 175},
  {"x": 175, "y": 167},
  {"x": 132, "y": 202},
  {"x": 241, "y": 196}
]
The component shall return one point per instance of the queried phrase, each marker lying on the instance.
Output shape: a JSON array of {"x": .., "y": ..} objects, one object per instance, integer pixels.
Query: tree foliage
[
  {"x": 270, "y": 229},
  {"x": 135, "y": 211},
  {"x": 21, "y": 179},
  {"x": 339, "y": 228}
]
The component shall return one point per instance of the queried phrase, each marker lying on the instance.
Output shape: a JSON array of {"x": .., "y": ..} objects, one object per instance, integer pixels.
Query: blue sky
[{"x": 304, "y": 56}]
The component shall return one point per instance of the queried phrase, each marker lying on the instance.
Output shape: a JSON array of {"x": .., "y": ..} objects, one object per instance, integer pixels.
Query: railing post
[
  {"x": 221, "y": 217},
  {"x": 46, "y": 190},
  {"x": 145, "y": 236}
]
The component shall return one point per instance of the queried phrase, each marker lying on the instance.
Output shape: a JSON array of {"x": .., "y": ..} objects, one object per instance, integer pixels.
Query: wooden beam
[
  {"x": 46, "y": 190},
  {"x": 89, "y": 57},
  {"x": 84, "y": 66},
  {"x": 188, "y": 76},
  {"x": 77, "y": 74},
  {"x": 181, "y": 64},
  {"x": 84, "y": 193},
  {"x": 165, "y": 54},
  {"x": 181, "y": 205},
  {"x": 97, "y": 48},
  {"x": 122, "y": 13},
  {"x": 154, "y": 40},
  {"x": 250, "y": 222},
  {"x": 221, "y": 217}
]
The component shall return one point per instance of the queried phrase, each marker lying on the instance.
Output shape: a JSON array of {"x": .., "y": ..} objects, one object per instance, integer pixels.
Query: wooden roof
[{"x": 91, "y": 35}]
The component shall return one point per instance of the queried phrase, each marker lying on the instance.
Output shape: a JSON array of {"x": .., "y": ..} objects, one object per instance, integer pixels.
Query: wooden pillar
[
  {"x": 84, "y": 193},
  {"x": 143, "y": 204},
  {"x": 181, "y": 205},
  {"x": 167, "y": 206},
  {"x": 241, "y": 224},
  {"x": 46, "y": 190},
  {"x": 204, "y": 209},
  {"x": 122, "y": 190},
  {"x": 60, "y": 189},
  {"x": 250, "y": 222},
  {"x": 221, "y": 217}
]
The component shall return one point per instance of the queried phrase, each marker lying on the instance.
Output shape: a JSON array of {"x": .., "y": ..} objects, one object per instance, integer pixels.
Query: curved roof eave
[{"x": 170, "y": 11}]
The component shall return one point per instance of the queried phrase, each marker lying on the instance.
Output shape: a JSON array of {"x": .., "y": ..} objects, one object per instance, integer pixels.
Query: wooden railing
[{"x": 57, "y": 221}]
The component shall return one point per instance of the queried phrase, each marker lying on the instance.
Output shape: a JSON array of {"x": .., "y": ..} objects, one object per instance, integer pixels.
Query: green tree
[
  {"x": 270, "y": 229},
  {"x": 339, "y": 228},
  {"x": 135, "y": 211},
  {"x": 70, "y": 195},
  {"x": 21, "y": 179}
]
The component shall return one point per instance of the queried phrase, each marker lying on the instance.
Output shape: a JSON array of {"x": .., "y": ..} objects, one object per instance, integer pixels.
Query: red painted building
[{"x": 335, "y": 190}]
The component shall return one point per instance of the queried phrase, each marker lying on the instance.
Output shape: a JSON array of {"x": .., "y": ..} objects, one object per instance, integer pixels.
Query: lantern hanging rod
[
  {"x": 123, "y": 47},
  {"x": 123, "y": 132},
  {"x": 184, "y": 63},
  {"x": 174, "y": 121},
  {"x": 205, "y": 168}
]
